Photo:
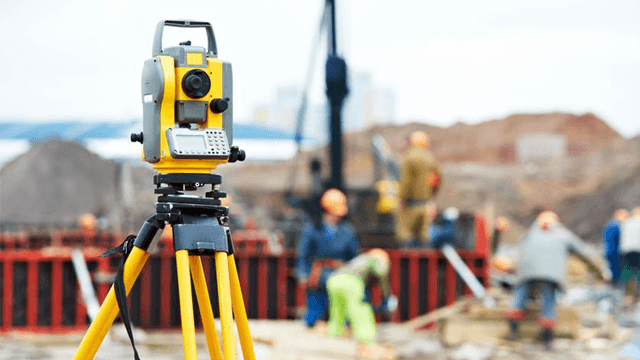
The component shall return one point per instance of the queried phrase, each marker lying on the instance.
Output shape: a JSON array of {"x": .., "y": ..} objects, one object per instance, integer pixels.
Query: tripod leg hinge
[{"x": 147, "y": 232}]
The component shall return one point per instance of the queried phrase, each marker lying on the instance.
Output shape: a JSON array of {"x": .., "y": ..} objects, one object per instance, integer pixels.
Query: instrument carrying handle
[{"x": 157, "y": 39}]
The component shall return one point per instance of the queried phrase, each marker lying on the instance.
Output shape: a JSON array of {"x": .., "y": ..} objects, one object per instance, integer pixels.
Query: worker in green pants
[{"x": 346, "y": 288}]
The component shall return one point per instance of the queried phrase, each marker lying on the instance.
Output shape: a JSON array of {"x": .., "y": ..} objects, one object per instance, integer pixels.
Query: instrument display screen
[{"x": 193, "y": 142}]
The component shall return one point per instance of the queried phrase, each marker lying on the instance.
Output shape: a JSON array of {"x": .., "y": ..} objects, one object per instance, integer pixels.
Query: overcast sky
[{"x": 445, "y": 60}]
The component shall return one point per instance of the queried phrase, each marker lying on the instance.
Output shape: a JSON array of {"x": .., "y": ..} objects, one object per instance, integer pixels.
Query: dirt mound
[
  {"x": 481, "y": 142},
  {"x": 55, "y": 182},
  {"x": 457, "y": 144},
  {"x": 617, "y": 185}
]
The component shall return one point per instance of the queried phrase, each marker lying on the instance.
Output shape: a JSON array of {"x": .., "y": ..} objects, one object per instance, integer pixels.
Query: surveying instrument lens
[
  {"x": 187, "y": 104},
  {"x": 196, "y": 84}
]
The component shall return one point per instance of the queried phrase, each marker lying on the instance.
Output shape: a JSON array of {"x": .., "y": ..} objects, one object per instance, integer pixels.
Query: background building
[{"x": 541, "y": 147}]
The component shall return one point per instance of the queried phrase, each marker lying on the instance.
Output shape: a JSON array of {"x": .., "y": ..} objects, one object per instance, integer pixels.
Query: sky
[{"x": 446, "y": 61}]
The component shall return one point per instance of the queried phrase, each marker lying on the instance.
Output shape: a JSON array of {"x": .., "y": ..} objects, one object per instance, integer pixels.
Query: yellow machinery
[{"x": 187, "y": 132}]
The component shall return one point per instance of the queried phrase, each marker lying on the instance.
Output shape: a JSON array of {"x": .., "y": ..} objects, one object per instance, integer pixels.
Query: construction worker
[
  {"x": 502, "y": 224},
  {"x": 630, "y": 251},
  {"x": 542, "y": 262},
  {"x": 611, "y": 242},
  {"x": 346, "y": 289},
  {"x": 420, "y": 179},
  {"x": 324, "y": 245},
  {"x": 445, "y": 231},
  {"x": 88, "y": 224}
]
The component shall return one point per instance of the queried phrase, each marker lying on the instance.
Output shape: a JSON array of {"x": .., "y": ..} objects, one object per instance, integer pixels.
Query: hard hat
[
  {"x": 334, "y": 202},
  {"x": 386, "y": 204},
  {"x": 383, "y": 263},
  {"x": 546, "y": 218},
  {"x": 419, "y": 138},
  {"x": 621, "y": 214},
  {"x": 502, "y": 223},
  {"x": 451, "y": 213},
  {"x": 87, "y": 222},
  {"x": 502, "y": 263}
]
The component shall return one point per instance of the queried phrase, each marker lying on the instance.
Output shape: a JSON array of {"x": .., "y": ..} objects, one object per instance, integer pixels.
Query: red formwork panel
[
  {"x": 421, "y": 278},
  {"x": 43, "y": 312}
]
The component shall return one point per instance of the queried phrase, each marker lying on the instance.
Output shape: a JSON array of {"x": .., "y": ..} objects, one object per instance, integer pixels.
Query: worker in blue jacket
[
  {"x": 324, "y": 246},
  {"x": 445, "y": 231},
  {"x": 611, "y": 239}
]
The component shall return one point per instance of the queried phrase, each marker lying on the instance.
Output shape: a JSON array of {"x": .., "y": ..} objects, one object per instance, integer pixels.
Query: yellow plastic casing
[{"x": 173, "y": 92}]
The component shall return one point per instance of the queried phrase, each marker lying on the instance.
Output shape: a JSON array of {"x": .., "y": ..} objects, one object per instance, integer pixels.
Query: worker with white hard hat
[{"x": 542, "y": 262}]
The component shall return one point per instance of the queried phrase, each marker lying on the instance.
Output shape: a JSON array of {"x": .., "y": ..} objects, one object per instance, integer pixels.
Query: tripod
[{"x": 199, "y": 229}]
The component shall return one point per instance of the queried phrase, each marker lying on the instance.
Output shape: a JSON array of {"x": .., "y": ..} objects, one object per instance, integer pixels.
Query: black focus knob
[
  {"x": 241, "y": 155},
  {"x": 219, "y": 105},
  {"x": 136, "y": 138},
  {"x": 236, "y": 154}
]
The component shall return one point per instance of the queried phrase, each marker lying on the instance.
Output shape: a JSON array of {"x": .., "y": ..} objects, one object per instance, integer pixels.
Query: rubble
[
  {"x": 420, "y": 348},
  {"x": 472, "y": 352}
]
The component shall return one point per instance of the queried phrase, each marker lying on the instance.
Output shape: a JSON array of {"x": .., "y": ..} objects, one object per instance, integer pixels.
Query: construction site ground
[{"x": 291, "y": 340}]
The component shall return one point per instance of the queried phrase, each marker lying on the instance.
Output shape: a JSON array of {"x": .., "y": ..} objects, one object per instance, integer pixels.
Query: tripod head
[{"x": 200, "y": 224}]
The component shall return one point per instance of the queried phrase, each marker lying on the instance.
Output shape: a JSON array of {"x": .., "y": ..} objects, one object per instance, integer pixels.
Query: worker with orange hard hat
[
  {"x": 88, "y": 223},
  {"x": 502, "y": 224},
  {"x": 420, "y": 179},
  {"x": 542, "y": 262},
  {"x": 324, "y": 245}
]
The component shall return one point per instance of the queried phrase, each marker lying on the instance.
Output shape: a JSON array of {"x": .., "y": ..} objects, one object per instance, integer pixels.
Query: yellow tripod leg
[
  {"x": 204, "y": 303},
  {"x": 224, "y": 297},
  {"x": 186, "y": 305},
  {"x": 109, "y": 309},
  {"x": 240, "y": 312}
]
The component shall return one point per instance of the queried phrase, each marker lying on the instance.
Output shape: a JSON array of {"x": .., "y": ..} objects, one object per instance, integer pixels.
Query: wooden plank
[{"x": 435, "y": 315}]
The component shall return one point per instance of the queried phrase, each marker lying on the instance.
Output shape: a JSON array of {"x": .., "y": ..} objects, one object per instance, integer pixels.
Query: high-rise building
[
  {"x": 316, "y": 127},
  {"x": 286, "y": 109},
  {"x": 381, "y": 107},
  {"x": 357, "y": 104},
  {"x": 366, "y": 105},
  {"x": 261, "y": 115},
  {"x": 541, "y": 147}
]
